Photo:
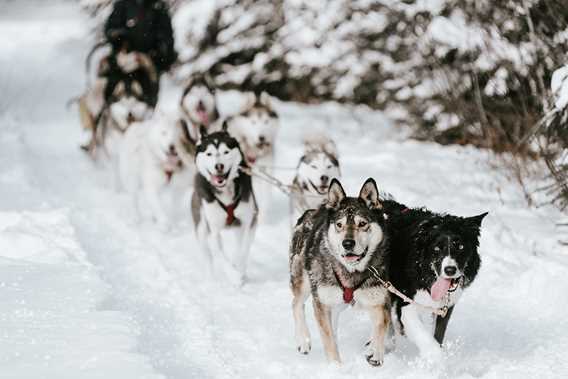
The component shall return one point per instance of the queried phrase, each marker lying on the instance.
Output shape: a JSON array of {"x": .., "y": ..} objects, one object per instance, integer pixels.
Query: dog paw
[
  {"x": 375, "y": 360},
  {"x": 305, "y": 347}
]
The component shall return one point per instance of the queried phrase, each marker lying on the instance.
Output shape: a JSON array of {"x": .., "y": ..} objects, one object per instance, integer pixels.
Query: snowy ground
[{"x": 86, "y": 292}]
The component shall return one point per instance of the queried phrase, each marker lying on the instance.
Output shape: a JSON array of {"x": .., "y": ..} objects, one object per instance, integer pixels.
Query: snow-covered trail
[{"x": 72, "y": 258}]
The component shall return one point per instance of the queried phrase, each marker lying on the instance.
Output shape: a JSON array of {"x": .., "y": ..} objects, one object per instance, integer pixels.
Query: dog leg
[
  {"x": 220, "y": 256},
  {"x": 301, "y": 291},
  {"x": 416, "y": 331},
  {"x": 380, "y": 322},
  {"x": 244, "y": 238},
  {"x": 202, "y": 234},
  {"x": 323, "y": 317},
  {"x": 442, "y": 325}
]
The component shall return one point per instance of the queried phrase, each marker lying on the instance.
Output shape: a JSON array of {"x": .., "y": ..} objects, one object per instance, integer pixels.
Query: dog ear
[
  {"x": 202, "y": 131},
  {"x": 335, "y": 194},
  {"x": 476, "y": 220},
  {"x": 225, "y": 126},
  {"x": 264, "y": 99},
  {"x": 370, "y": 194}
]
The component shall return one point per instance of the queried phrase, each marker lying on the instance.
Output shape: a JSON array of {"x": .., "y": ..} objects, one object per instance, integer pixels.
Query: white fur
[
  {"x": 144, "y": 160},
  {"x": 369, "y": 240},
  {"x": 194, "y": 117}
]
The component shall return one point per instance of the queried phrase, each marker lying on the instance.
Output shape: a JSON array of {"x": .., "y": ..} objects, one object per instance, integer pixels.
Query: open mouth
[
  {"x": 442, "y": 286},
  {"x": 354, "y": 258},
  {"x": 219, "y": 180},
  {"x": 202, "y": 114},
  {"x": 321, "y": 190},
  {"x": 251, "y": 159}
]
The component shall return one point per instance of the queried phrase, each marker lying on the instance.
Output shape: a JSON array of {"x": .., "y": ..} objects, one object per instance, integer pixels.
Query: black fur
[{"x": 415, "y": 233}]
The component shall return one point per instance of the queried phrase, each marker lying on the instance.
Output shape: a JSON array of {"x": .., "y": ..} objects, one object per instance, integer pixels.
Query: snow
[
  {"x": 559, "y": 87},
  {"x": 87, "y": 292}
]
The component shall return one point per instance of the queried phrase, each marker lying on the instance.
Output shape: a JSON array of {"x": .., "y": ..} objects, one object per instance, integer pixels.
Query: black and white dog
[
  {"x": 198, "y": 107},
  {"x": 318, "y": 165},
  {"x": 223, "y": 198},
  {"x": 125, "y": 92},
  {"x": 434, "y": 258},
  {"x": 331, "y": 251}
]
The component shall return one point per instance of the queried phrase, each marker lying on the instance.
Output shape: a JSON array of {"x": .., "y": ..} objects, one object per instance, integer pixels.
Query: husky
[
  {"x": 256, "y": 128},
  {"x": 331, "y": 252},
  {"x": 150, "y": 156},
  {"x": 318, "y": 165},
  {"x": 223, "y": 198},
  {"x": 125, "y": 92},
  {"x": 434, "y": 258},
  {"x": 198, "y": 107}
]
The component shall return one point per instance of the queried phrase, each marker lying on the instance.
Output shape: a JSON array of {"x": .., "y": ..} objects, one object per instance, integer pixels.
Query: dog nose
[
  {"x": 172, "y": 149},
  {"x": 261, "y": 139},
  {"x": 348, "y": 244},
  {"x": 450, "y": 270},
  {"x": 324, "y": 179},
  {"x": 219, "y": 166},
  {"x": 130, "y": 117}
]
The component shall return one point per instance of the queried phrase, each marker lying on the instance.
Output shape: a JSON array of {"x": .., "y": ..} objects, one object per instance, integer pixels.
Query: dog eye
[
  {"x": 362, "y": 224},
  {"x": 339, "y": 225},
  {"x": 209, "y": 154},
  {"x": 329, "y": 167},
  {"x": 437, "y": 248},
  {"x": 226, "y": 152},
  {"x": 460, "y": 247},
  {"x": 314, "y": 167}
]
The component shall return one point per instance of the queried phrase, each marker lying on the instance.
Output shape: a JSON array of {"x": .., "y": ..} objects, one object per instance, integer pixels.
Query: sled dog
[
  {"x": 150, "y": 156},
  {"x": 198, "y": 107},
  {"x": 318, "y": 165},
  {"x": 434, "y": 258},
  {"x": 125, "y": 92},
  {"x": 256, "y": 128},
  {"x": 331, "y": 250},
  {"x": 223, "y": 198}
]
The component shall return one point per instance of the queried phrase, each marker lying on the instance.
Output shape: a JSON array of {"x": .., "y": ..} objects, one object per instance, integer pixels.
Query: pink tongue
[
  {"x": 204, "y": 117},
  {"x": 440, "y": 288}
]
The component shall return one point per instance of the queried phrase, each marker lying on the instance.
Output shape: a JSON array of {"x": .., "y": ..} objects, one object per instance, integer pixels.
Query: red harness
[
  {"x": 347, "y": 291},
  {"x": 169, "y": 175},
  {"x": 230, "y": 210}
]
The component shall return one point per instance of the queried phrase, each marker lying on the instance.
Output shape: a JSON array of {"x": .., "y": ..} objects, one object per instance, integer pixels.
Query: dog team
[{"x": 345, "y": 251}]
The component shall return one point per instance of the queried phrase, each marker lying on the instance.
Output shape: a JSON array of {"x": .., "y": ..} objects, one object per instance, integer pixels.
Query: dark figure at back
[{"x": 143, "y": 26}]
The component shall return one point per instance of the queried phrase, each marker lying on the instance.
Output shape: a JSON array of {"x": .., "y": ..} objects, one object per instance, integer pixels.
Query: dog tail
[{"x": 314, "y": 142}]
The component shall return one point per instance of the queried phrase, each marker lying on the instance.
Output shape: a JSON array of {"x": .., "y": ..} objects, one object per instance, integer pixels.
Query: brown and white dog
[{"x": 125, "y": 91}]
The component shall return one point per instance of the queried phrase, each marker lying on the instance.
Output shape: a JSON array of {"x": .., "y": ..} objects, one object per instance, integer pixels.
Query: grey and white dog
[
  {"x": 317, "y": 166},
  {"x": 331, "y": 251},
  {"x": 223, "y": 198}
]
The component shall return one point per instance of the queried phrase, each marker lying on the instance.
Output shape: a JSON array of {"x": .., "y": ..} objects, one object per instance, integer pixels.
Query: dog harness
[
  {"x": 347, "y": 291},
  {"x": 230, "y": 209}
]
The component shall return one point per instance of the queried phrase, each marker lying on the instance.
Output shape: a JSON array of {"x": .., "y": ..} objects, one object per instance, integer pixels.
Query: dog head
[
  {"x": 128, "y": 106},
  {"x": 356, "y": 225},
  {"x": 448, "y": 244},
  {"x": 165, "y": 142},
  {"x": 198, "y": 102},
  {"x": 218, "y": 157},
  {"x": 316, "y": 169},
  {"x": 256, "y": 127}
]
